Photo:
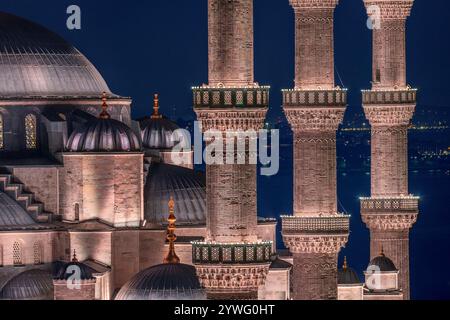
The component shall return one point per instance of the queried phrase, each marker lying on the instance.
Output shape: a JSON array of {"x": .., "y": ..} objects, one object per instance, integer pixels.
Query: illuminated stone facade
[
  {"x": 391, "y": 211},
  {"x": 315, "y": 108}
]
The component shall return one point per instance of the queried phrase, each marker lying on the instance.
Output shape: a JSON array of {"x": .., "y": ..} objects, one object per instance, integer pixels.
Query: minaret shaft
[
  {"x": 314, "y": 108},
  {"x": 389, "y": 59},
  {"x": 230, "y": 33},
  {"x": 390, "y": 212},
  {"x": 314, "y": 51},
  {"x": 315, "y": 173},
  {"x": 232, "y": 263}
]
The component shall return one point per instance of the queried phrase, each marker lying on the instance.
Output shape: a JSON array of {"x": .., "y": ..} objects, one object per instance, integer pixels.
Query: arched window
[
  {"x": 38, "y": 254},
  {"x": 1, "y": 132},
  {"x": 30, "y": 131},
  {"x": 17, "y": 254}
]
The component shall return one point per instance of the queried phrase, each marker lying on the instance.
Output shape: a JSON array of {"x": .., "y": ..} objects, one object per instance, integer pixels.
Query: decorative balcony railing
[
  {"x": 217, "y": 253},
  {"x": 389, "y": 96},
  {"x": 247, "y": 97},
  {"x": 315, "y": 98},
  {"x": 339, "y": 224},
  {"x": 400, "y": 204}
]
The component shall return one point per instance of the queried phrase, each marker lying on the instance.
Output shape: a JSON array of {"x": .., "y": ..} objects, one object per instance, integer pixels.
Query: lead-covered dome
[
  {"x": 103, "y": 135},
  {"x": 347, "y": 276},
  {"x": 382, "y": 263},
  {"x": 37, "y": 62},
  {"x": 157, "y": 131},
  {"x": 164, "y": 282},
  {"x": 29, "y": 285}
]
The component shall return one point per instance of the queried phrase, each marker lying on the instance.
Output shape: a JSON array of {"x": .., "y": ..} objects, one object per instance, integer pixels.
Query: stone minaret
[
  {"x": 232, "y": 262},
  {"x": 314, "y": 109},
  {"x": 390, "y": 212}
]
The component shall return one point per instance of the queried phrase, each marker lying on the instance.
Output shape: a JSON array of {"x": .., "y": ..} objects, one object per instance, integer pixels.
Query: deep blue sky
[{"x": 159, "y": 45}]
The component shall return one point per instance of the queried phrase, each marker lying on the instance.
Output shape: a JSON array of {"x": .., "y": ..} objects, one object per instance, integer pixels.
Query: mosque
[{"x": 92, "y": 207}]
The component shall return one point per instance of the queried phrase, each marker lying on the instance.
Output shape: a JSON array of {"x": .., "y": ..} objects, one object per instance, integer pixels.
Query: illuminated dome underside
[{"x": 36, "y": 62}]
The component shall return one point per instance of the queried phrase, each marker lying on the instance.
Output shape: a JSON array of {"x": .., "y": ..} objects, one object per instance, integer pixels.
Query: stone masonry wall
[
  {"x": 389, "y": 169},
  {"x": 315, "y": 173},
  {"x": 43, "y": 183},
  {"x": 314, "y": 49},
  {"x": 230, "y": 27},
  {"x": 315, "y": 276}
]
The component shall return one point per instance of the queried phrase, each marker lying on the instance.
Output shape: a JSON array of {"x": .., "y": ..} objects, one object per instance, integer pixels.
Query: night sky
[
  {"x": 142, "y": 47},
  {"x": 145, "y": 46}
]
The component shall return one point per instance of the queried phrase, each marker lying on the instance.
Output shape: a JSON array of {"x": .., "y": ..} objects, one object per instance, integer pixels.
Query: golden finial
[
  {"x": 104, "y": 114},
  {"x": 171, "y": 256},
  {"x": 382, "y": 252},
  {"x": 74, "y": 259},
  {"x": 156, "y": 114},
  {"x": 345, "y": 266}
]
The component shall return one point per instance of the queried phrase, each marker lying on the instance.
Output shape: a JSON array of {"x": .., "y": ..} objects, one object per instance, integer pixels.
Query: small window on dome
[
  {"x": 17, "y": 254},
  {"x": 30, "y": 131}
]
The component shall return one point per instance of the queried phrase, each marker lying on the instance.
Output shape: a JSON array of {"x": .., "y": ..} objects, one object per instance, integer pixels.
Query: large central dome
[{"x": 36, "y": 62}]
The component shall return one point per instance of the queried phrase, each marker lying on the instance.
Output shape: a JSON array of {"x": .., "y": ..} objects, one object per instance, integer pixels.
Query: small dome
[
  {"x": 347, "y": 276},
  {"x": 156, "y": 131},
  {"x": 67, "y": 270},
  {"x": 29, "y": 285},
  {"x": 164, "y": 282},
  {"x": 103, "y": 135},
  {"x": 382, "y": 263}
]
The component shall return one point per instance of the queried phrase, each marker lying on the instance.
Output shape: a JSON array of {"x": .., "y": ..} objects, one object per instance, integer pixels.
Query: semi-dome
[
  {"x": 103, "y": 134},
  {"x": 382, "y": 263},
  {"x": 164, "y": 282},
  {"x": 14, "y": 217},
  {"x": 29, "y": 285},
  {"x": 187, "y": 186},
  {"x": 347, "y": 276},
  {"x": 37, "y": 62},
  {"x": 156, "y": 131}
]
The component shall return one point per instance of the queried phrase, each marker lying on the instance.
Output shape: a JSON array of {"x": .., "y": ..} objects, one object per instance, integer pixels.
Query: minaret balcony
[
  {"x": 205, "y": 253},
  {"x": 295, "y": 98},
  {"x": 390, "y": 205},
  {"x": 389, "y": 97},
  {"x": 336, "y": 224},
  {"x": 223, "y": 97}
]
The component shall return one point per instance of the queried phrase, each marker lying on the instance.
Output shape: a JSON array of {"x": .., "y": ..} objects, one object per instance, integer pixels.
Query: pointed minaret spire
[
  {"x": 171, "y": 256},
  {"x": 104, "y": 114},
  {"x": 156, "y": 114},
  {"x": 74, "y": 259}
]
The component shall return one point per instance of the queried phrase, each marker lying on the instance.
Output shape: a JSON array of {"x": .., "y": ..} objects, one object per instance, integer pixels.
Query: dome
[
  {"x": 14, "y": 217},
  {"x": 37, "y": 62},
  {"x": 103, "y": 135},
  {"x": 188, "y": 189},
  {"x": 347, "y": 276},
  {"x": 156, "y": 131},
  {"x": 382, "y": 263},
  {"x": 164, "y": 282},
  {"x": 67, "y": 270},
  {"x": 29, "y": 285}
]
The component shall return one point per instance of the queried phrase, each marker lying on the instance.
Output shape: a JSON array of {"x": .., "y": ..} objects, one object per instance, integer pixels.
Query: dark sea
[{"x": 430, "y": 237}]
